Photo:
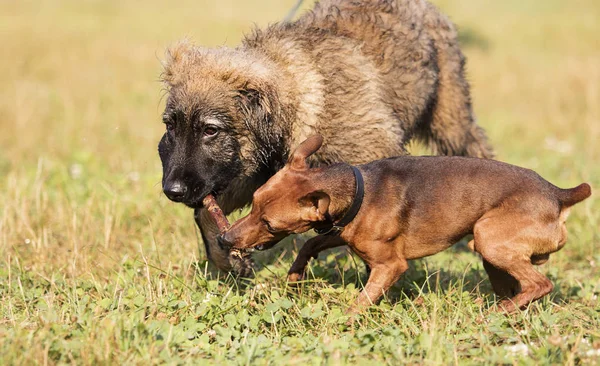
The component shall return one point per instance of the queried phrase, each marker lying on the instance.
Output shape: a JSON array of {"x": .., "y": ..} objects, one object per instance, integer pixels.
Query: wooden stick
[
  {"x": 221, "y": 220},
  {"x": 216, "y": 213}
]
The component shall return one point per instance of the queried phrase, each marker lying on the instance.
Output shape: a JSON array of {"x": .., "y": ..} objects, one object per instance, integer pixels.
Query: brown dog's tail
[{"x": 571, "y": 196}]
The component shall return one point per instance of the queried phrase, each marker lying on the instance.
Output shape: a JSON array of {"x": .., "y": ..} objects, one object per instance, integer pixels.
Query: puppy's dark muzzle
[{"x": 175, "y": 190}]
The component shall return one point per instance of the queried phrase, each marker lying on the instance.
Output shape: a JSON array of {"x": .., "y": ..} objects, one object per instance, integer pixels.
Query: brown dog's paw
[
  {"x": 353, "y": 314},
  {"x": 506, "y": 306},
  {"x": 351, "y": 322},
  {"x": 295, "y": 277}
]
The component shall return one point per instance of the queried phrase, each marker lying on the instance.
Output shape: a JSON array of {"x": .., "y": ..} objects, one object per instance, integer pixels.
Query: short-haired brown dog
[{"x": 413, "y": 207}]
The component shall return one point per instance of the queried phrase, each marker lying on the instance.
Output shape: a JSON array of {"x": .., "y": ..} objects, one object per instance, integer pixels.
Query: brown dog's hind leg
[
  {"x": 383, "y": 276},
  {"x": 510, "y": 255},
  {"x": 510, "y": 267},
  {"x": 311, "y": 249},
  {"x": 504, "y": 285},
  {"x": 534, "y": 285}
]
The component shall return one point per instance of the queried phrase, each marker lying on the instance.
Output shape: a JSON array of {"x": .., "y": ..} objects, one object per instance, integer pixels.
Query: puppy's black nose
[{"x": 175, "y": 190}]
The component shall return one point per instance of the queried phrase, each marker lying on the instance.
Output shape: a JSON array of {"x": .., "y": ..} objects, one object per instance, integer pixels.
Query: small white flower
[
  {"x": 517, "y": 349},
  {"x": 593, "y": 353},
  {"x": 560, "y": 146},
  {"x": 76, "y": 170},
  {"x": 208, "y": 297},
  {"x": 28, "y": 241},
  {"x": 133, "y": 176}
]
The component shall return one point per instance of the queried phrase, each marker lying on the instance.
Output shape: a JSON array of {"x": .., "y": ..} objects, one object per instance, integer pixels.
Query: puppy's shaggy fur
[{"x": 367, "y": 75}]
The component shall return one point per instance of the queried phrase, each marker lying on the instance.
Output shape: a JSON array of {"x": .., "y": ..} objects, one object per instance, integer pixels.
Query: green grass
[{"x": 97, "y": 266}]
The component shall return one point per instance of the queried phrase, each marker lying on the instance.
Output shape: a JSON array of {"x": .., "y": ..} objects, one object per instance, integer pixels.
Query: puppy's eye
[
  {"x": 210, "y": 131},
  {"x": 169, "y": 121}
]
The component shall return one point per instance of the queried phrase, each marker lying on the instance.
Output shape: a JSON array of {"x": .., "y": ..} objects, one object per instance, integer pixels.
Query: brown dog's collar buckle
[
  {"x": 337, "y": 228},
  {"x": 334, "y": 230}
]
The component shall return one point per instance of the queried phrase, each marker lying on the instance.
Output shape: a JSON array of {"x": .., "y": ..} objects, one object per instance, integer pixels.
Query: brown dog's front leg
[
  {"x": 309, "y": 250},
  {"x": 383, "y": 276}
]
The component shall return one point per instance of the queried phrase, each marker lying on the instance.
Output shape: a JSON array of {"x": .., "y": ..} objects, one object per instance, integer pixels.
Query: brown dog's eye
[
  {"x": 210, "y": 131},
  {"x": 268, "y": 225}
]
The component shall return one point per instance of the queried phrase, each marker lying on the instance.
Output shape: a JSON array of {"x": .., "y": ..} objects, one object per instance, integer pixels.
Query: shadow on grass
[
  {"x": 456, "y": 269},
  {"x": 340, "y": 267}
]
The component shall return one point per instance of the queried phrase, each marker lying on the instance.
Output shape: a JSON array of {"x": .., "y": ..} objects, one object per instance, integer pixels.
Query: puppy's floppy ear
[
  {"x": 298, "y": 158},
  {"x": 317, "y": 204},
  {"x": 255, "y": 106}
]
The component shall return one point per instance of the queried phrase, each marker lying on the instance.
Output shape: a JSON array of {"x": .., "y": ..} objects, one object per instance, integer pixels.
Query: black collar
[{"x": 335, "y": 229}]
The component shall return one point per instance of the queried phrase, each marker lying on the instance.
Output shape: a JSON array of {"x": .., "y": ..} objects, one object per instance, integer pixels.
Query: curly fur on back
[{"x": 367, "y": 75}]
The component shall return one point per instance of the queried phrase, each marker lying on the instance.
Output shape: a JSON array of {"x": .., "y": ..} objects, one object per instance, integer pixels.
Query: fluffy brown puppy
[
  {"x": 413, "y": 207},
  {"x": 368, "y": 75}
]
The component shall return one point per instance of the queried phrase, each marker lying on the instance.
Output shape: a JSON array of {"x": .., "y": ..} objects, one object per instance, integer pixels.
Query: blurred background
[
  {"x": 80, "y": 107},
  {"x": 80, "y": 119}
]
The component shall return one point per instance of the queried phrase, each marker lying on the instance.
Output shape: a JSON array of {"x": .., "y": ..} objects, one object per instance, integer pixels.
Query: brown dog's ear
[
  {"x": 317, "y": 204},
  {"x": 298, "y": 158}
]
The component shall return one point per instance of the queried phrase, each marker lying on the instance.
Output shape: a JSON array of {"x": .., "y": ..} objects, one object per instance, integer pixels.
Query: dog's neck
[{"x": 339, "y": 183}]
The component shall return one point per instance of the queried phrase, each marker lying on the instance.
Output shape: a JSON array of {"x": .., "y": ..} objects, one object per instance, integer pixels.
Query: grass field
[{"x": 97, "y": 266}]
